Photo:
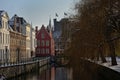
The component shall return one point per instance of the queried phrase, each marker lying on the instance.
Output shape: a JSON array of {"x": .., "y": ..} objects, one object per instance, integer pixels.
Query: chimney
[
  {"x": 14, "y": 26},
  {"x": 19, "y": 29}
]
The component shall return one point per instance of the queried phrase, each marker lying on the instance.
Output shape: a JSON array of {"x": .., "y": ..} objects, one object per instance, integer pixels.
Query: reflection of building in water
[
  {"x": 43, "y": 74},
  {"x": 61, "y": 73},
  {"x": 53, "y": 73},
  {"x": 69, "y": 74}
]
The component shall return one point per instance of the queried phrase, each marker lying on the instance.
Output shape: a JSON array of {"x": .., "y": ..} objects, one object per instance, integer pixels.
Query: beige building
[
  {"x": 28, "y": 40},
  {"x": 17, "y": 40},
  {"x": 33, "y": 42},
  {"x": 17, "y": 46},
  {"x": 4, "y": 38}
]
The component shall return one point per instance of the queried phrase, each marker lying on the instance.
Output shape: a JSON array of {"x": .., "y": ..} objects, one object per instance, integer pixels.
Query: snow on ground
[{"x": 108, "y": 64}]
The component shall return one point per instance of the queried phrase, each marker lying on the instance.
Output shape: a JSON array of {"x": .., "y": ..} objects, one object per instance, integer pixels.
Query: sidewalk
[{"x": 108, "y": 64}]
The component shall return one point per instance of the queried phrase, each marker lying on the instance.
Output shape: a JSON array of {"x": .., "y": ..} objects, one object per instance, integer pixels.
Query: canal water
[
  {"x": 76, "y": 72},
  {"x": 47, "y": 73}
]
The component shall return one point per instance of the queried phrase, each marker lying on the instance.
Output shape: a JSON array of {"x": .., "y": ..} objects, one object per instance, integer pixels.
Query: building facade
[
  {"x": 4, "y": 38},
  {"x": 28, "y": 40},
  {"x": 33, "y": 42},
  {"x": 57, "y": 36},
  {"x": 45, "y": 43},
  {"x": 17, "y": 41},
  {"x": 17, "y": 46},
  {"x": 63, "y": 31}
]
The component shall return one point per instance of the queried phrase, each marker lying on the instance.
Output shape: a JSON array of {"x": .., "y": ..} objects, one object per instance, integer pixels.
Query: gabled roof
[{"x": 43, "y": 29}]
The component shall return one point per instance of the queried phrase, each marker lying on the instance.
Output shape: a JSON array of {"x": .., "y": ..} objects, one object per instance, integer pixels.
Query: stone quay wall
[{"x": 13, "y": 70}]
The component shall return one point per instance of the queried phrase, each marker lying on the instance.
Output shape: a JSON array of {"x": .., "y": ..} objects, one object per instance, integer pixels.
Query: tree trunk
[
  {"x": 101, "y": 54},
  {"x": 112, "y": 53}
]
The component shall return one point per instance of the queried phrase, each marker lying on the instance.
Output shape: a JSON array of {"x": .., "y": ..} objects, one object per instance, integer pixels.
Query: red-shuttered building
[{"x": 45, "y": 42}]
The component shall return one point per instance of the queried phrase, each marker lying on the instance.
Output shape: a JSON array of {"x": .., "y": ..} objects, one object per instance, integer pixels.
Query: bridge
[{"x": 60, "y": 60}]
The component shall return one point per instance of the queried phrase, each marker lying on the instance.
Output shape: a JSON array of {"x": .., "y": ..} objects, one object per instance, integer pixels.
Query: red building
[{"x": 45, "y": 42}]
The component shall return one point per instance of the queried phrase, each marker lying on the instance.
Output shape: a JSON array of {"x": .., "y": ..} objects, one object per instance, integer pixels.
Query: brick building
[{"x": 45, "y": 42}]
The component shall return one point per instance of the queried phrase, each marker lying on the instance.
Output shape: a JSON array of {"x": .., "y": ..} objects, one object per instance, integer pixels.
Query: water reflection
[
  {"x": 53, "y": 73},
  {"x": 76, "y": 72},
  {"x": 47, "y": 73}
]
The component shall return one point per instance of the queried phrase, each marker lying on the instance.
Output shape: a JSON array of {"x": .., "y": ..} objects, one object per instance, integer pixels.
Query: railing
[{"x": 26, "y": 61}]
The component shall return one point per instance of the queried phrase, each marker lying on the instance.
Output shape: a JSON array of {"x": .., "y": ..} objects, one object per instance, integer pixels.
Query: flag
[
  {"x": 65, "y": 14},
  {"x": 56, "y": 15}
]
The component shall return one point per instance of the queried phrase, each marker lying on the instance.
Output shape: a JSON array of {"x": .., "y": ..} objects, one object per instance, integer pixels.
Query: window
[
  {"x": 47, "y": 50},
  {"x": 3, "y": 38},
  {"x": 0, "y": 37},
  {"x": 42, "y": 35},
  {"x": 47, "y": 42},
  {"x": 28, "y": 33},
  {"x": 6, "y": 38},
  {"x": 3, "y": 24},
  {"x": 39, "y": 51},
  {"x": 0, "y": 54},
  {"x": 3, "y": 55},
  {"x": 0, "y": 24},
  {"x": 38, "y": 42},
  {"x": 43, "y": 43},
  {"x": 6, "y": 25},
  {"x": 43, "y": 51}
]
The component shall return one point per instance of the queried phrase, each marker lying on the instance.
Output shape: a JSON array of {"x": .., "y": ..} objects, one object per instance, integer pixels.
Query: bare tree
[{"x": 99, "y": 23}]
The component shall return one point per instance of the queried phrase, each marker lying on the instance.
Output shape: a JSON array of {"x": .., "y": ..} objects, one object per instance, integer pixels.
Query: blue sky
[{"x": 37, "y": 11}]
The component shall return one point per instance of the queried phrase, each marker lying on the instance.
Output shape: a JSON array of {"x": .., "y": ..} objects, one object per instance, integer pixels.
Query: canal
[
  {"x": 83, "y": 71},
  {"x": 47, "y": 73}
]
